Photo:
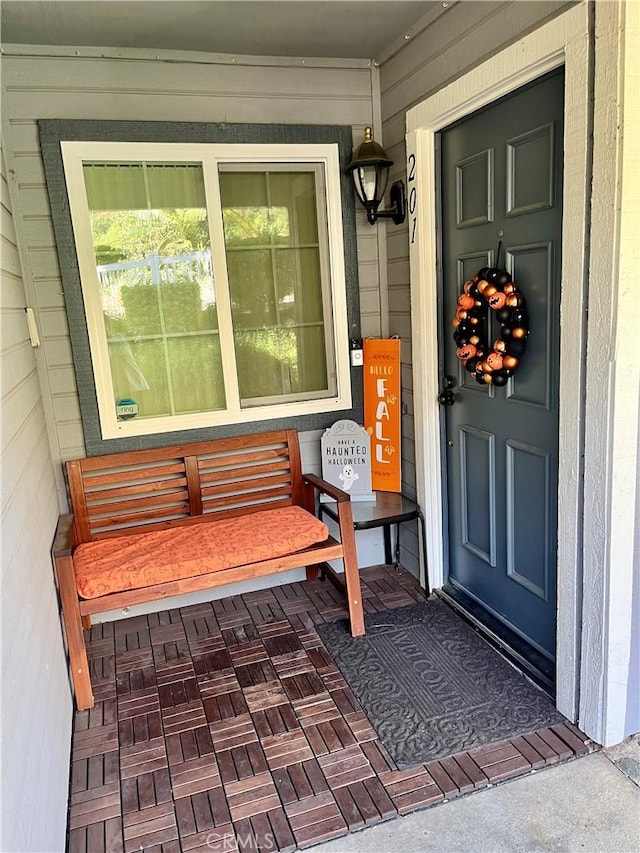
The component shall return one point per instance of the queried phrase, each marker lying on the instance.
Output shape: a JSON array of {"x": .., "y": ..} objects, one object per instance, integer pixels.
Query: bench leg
[
  {"x": 75, "y": 637},
  {"x": 351, "y": 570},
  {"x": 312, "y": 573}
]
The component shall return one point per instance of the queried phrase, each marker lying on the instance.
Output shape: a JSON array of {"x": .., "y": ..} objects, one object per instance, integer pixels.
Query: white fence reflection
[{"x": 194, "y": 267}]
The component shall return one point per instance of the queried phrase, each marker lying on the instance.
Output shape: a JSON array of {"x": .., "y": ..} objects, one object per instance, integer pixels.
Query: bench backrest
[{"x": 162, "y": 487}]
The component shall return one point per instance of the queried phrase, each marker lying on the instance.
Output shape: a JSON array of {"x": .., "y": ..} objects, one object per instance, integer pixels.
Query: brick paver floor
[{"x": 226, "y": 726}]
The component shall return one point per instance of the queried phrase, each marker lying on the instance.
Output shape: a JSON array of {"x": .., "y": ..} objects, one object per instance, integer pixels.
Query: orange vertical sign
[{"x": 382, "y": 411}]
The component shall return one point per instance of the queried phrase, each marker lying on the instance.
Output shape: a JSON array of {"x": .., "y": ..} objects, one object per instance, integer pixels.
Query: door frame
[{"x": 563, "y": 41}]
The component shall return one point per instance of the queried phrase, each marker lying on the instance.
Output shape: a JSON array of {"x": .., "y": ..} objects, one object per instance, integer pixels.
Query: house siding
[
  {"x": 43, "y": 83},
  {"x": 37, "y": 707},
  {"x": 176, "y": 88},
  {"x": 460, "y": 38}
]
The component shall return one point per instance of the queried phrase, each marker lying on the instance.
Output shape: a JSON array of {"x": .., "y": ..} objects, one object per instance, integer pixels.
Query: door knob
[{"x": 445, "y": 397}]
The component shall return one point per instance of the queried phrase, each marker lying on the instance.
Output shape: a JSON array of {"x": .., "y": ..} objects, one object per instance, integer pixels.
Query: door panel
[
  {"x": 467, "y": 266},
  {"x": 534, "y": 264},
  {"x": 502, "y": 182},
  {"x": 527, "y": 522},
  {"x": 478, "y": 492},
  {"x": 474, "y": 189},
  {"x": 530, "y": 171}
]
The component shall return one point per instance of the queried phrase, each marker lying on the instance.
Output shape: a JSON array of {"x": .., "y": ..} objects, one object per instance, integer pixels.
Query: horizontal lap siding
[
  {"x": 69, "y": 87},
  {"x": 36, "y": 724},
  {"x": 462, "y": 37}
]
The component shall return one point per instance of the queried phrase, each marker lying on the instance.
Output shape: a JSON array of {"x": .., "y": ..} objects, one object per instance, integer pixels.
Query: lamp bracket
[{"x": 398, "y": 211}]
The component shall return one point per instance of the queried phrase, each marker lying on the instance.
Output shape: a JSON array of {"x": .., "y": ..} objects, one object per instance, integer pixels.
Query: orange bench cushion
[{"x": 143, "y": 559}]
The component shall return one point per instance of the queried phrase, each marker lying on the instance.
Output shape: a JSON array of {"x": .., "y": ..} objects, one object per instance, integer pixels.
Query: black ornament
[
  {"x": 515, "y": 347},
  {"x": 502, "y": 279}
]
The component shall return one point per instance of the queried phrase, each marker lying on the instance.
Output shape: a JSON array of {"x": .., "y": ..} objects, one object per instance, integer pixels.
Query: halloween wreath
[{"x": 491, "y": 288}]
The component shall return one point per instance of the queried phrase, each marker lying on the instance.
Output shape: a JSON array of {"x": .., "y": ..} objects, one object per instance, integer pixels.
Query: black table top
[{"x": 386, "y": 508}]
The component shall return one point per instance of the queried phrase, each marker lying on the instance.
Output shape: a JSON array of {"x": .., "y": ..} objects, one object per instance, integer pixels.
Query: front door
[{"x": 501, "y": 174}]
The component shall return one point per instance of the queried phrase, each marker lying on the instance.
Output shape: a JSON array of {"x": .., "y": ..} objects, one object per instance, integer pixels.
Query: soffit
[{"x": 364, "y": 29}]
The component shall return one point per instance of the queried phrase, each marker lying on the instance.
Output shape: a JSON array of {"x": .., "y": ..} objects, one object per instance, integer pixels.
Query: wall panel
[
  {"x": 36, "y": 707},
  {"x": 188, "y": 88}
]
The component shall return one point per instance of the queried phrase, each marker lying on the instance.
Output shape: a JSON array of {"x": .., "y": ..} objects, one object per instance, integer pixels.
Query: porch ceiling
[{"x": 329, "y": 28}]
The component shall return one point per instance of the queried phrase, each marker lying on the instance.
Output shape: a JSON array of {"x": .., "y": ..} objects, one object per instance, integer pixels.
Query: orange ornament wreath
[{"x": 491, "y": 289}]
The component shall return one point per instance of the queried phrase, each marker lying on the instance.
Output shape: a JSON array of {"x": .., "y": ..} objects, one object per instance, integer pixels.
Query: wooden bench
[{"x": 123, "y": 497}]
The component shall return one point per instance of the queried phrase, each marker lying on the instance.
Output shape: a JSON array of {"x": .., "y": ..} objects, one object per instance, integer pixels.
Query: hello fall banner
[{"x": 382, "y": 411}]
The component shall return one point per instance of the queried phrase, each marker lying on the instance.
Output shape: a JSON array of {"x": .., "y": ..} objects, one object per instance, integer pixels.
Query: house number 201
[{"x": 413, "y": 196}]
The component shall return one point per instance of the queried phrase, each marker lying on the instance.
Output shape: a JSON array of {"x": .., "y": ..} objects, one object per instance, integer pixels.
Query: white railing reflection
[{"x": 194, "y": 267}]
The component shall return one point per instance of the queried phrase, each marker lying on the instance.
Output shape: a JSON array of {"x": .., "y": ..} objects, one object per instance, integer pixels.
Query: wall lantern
[{"x": 370, "y": 170}]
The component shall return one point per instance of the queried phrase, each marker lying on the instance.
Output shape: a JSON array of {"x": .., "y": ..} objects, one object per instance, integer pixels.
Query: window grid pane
[
  {"x": 156, "y": 286},
  {"x": 276, "y": 288}
]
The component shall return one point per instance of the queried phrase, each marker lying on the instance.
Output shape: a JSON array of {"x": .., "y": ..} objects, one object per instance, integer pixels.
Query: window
[{"x": 213, "y": 281}]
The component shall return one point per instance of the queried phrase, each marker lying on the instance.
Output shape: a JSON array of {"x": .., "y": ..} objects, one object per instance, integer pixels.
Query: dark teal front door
[{"x": 502, "y": 182}]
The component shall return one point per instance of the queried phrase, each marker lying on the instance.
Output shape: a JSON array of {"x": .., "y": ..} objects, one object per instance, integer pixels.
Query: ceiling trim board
[{"x": 180, "y": 56}]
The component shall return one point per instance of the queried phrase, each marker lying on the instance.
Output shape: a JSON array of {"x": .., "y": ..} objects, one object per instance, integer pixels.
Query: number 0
[{"x": 413, "y": 197}]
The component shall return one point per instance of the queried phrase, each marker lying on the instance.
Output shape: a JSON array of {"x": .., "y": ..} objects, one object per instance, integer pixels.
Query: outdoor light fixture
[{"x": 370, "y": 170}]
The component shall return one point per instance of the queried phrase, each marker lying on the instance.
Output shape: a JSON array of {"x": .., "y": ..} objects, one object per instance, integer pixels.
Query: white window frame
[{"x": 211, "y": 156}]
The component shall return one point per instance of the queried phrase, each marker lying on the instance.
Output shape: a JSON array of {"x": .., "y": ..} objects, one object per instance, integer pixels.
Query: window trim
[
  {"x": 53, "y": 131},
  {"x": 211, "y": 156}
]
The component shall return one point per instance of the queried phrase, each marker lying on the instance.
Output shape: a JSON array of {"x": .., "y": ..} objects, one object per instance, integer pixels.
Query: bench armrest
[
  {"x": 326, "y": 488},
  {"x": 64, "y": 541}
]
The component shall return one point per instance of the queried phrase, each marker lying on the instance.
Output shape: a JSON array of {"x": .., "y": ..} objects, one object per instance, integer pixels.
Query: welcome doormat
[{"x": 432, "y": 686}]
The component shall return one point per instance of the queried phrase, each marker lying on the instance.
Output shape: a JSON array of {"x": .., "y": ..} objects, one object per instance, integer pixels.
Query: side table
[{"x": 387, "y": 508}]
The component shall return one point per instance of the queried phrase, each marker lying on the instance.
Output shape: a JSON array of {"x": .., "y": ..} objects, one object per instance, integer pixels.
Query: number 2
[{"x": 412, "y": 168}]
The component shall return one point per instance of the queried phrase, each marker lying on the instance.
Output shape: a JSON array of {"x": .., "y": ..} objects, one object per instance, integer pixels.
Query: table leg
[{"x": 387, "y": 543}]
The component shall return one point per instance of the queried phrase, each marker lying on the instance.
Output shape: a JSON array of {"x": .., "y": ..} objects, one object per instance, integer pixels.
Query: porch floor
[{"x": 226, "y": 726}]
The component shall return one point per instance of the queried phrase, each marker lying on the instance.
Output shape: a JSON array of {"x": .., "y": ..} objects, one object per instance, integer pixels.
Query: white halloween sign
[{"x": 346, "y": 459}]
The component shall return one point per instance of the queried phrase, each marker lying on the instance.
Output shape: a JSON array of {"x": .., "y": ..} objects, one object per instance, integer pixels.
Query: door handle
[{"x": 446, "y": 397}]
